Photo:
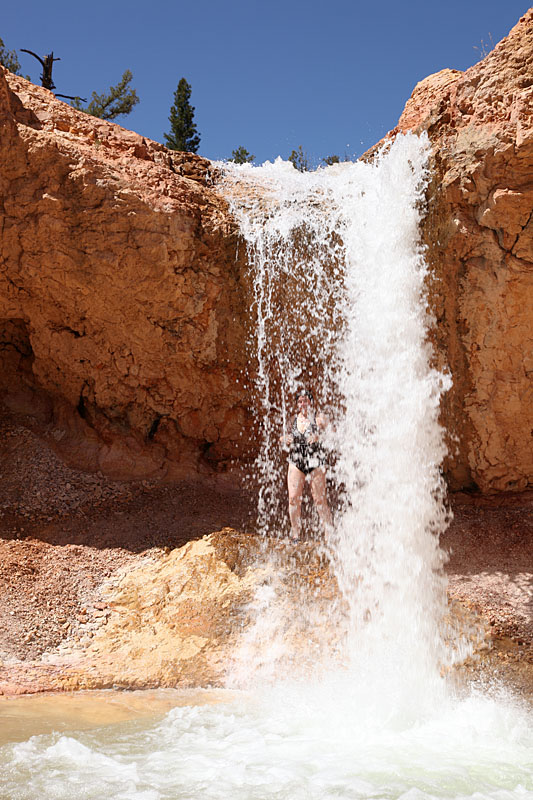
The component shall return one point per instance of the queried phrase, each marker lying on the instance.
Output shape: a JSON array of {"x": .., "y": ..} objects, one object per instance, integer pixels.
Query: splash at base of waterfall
[{"x": 286, "y": 744}]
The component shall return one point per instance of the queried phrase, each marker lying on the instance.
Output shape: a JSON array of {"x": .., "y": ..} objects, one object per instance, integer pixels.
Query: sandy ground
[{"x": 63, "y": 532}]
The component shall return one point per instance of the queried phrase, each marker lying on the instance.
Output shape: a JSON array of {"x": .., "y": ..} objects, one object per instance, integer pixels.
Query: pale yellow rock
[{"x": 185, "y": 618}]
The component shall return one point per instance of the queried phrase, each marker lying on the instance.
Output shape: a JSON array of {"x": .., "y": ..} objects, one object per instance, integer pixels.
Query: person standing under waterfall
[{"x": 306, "y": 458}]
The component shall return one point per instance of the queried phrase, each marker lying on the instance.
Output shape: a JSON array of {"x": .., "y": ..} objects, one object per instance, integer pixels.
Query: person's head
[{"x": 304, "y": 399}]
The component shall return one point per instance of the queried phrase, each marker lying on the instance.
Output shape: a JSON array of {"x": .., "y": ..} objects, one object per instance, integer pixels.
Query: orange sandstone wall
[
  {"x": 479, "y": 233},
  {"x": 121, "y": 308}
]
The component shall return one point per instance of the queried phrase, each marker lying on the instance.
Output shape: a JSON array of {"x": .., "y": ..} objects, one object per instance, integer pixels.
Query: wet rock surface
[{"x": 490, "y": 574}]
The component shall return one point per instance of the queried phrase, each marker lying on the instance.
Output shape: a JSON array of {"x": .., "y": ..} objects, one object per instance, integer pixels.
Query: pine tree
[
  {"x": 183, "y": 132},
  {"x": 120, "y": 100},
  {"x": 8, "y": 59},
  {"x": 299, "y": 160},
  {"x": 329, "y": 160},
  {"x": 241, "y": 156}
]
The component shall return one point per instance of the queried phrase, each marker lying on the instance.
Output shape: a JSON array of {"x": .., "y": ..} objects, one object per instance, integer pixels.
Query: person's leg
[
  {"x": 318, "y": 492},
  {"x": 295, "y": 483}
]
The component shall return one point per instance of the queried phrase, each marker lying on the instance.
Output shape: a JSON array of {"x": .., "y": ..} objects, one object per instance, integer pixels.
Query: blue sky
[{"x": 330, "y": 76}]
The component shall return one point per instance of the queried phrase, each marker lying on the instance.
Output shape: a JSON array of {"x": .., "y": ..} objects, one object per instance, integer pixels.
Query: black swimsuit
[{"x": 304, "y": 455}]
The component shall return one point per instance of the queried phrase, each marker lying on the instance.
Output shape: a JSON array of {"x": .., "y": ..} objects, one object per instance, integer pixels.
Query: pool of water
[
  {"x": 287, "y": 743},
  {"x": 33, "y": 715}
]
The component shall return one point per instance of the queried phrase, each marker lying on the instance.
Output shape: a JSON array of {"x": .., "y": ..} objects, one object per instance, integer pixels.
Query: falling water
[
  {"x": 338, "y": 279},
  {"x": 347, "y": 695}
]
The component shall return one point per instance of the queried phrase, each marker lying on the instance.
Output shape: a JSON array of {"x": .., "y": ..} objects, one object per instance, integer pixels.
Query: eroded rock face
[
  {"x": 124, "y": 307},
  {"x": 121, "y": 310},
  {"x": 479, "y": 232},
  {"x": 174, "y": 621}
]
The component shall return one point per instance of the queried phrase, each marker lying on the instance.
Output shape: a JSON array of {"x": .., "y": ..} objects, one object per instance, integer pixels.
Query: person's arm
[
  {"x": 322, "y": 421},
  {"x": 286, "y": 439}
]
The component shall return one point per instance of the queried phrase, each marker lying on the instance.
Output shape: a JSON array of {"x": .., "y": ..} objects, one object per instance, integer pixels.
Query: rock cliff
[
  {"x": 124, "y": 307},
  {"x": 120, "y": 302},
  {"x": 479, "y": 233}
]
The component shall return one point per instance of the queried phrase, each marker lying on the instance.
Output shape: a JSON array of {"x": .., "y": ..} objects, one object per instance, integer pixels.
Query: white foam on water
[{"x": 284, "y": 745}]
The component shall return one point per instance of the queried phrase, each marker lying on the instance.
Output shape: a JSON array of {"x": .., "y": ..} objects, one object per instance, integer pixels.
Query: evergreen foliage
[
  {"x": 9, "y": 59},
  {"x": 329, "y": 160},
  {"x": 120, "y": 100},
  {"x": 183, "y": 132},
  {"x": 241, "y": 156},
  {"x": 299, "y": 160}
]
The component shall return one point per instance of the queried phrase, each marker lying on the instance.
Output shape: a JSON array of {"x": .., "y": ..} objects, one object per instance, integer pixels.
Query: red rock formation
[
  {"x": 121, "y": 308},
  {"x": 124, "y": 308},
  {"x": 479, "y": 233}
]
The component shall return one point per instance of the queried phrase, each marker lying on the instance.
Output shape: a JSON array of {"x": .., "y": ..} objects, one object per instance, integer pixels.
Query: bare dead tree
[
  {"x": 47, "y": 64},
  {"x": 72, "y": 97},
  {"x": 46, "y": 75}
]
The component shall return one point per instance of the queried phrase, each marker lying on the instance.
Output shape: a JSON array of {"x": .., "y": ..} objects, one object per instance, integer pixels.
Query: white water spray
[
  {"x": 390, "y": 443},
  {"x": 338, "y": 285}
]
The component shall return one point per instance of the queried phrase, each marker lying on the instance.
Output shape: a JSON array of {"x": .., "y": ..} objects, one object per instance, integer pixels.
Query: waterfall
[{"x": 339, "y": 302}]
